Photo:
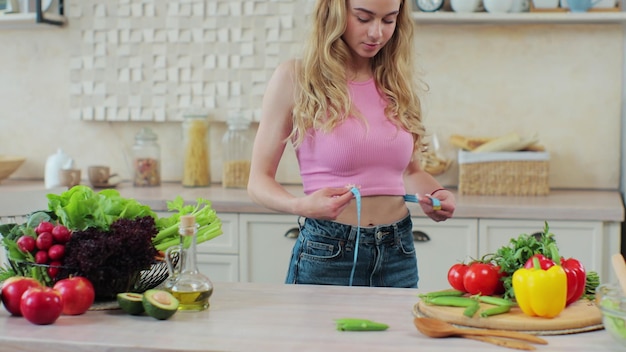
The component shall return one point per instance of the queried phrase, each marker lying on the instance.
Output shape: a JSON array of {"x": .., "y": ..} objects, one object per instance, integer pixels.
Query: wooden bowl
[{"x": 9, "y": 164}]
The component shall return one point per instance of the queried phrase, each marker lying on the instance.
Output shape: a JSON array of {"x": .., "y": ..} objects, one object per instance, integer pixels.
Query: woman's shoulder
[{"x": 289, "y": 67}]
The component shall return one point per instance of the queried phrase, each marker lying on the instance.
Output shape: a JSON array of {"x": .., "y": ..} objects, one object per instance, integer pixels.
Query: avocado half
[
  {"x": 159, "y": 304},
  {"x": 131, "y": 302}
]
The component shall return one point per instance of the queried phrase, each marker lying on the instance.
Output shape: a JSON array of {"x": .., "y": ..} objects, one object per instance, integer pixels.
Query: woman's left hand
[{"x": 447, "y": 205}]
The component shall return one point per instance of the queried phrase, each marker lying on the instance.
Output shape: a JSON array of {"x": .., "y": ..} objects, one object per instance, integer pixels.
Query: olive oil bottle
[{"x": 192, "y": 288}]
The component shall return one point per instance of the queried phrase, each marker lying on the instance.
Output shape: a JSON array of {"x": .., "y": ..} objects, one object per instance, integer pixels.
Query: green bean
[
  {"x": 496, "y": 301},
  {"x": 446, "y": 293},
  {"x": 495, "y": 310},
  {"x": 451, "y": 301},
  {"x": 351, "y": 324},
  {"x": 470, "y": 311}
]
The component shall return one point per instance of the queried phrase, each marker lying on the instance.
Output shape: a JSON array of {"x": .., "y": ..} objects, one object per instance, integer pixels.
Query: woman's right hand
[{"x": 325, "y": 203}]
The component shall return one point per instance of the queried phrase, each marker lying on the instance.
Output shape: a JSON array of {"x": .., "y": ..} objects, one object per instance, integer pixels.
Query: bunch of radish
[{"x": 47, "y": 246}]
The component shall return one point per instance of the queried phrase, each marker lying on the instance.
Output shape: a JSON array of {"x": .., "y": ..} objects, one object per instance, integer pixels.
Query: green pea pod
[
  {"x": 353, "y": 324},
  {"x": 471, "y": 310},
  {"x": 496, "y": 301},
  {"x": 451, "y": 301},
  {"x": 495, "y": 311},
  {"x": 442, "y": 293}
]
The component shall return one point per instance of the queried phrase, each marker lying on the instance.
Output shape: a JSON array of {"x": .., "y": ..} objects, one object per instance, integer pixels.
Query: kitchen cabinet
[
  {"x": 266, "y": 244},
  {"x": 219, "y": 257},
  {"x": 266, "y": 241},
  {"x": 438, "y": 245}
]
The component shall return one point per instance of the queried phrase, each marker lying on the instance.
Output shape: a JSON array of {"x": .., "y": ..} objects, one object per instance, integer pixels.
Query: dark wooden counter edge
[{"x": 570, "y": 205}]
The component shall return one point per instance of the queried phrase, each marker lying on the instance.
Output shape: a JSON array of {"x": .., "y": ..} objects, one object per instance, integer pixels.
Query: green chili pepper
[
  {"x": 442, "y": 293},
  {"x": 353, "y": 324},
  {"x": 495, "y": 310}
]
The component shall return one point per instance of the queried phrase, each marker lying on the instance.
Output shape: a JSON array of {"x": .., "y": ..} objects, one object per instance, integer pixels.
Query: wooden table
[{"x": 263, "y": 317}]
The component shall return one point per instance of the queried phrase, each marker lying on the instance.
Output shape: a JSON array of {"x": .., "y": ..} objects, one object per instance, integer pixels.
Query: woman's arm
[
  {"x": 269, "y": 146},
  {"x": 417, "y": 181}
]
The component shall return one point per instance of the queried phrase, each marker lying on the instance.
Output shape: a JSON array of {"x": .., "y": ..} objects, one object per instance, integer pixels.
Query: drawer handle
[
  {"x": 292, "y": 233},
  {"x": 419, "y": 236}
]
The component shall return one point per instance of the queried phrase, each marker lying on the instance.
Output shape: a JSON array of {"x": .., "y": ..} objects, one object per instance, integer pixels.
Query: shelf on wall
[{"x": 612, "y": 17}]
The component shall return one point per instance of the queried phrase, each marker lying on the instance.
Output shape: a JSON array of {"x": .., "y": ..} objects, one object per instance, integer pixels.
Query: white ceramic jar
[
  {"x": 498, "y": 6},
  {"x": 466, "y": 5}
]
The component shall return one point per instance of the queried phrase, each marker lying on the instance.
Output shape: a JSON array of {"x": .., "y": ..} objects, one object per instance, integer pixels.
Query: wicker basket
[{"x": 504, "y": 173}]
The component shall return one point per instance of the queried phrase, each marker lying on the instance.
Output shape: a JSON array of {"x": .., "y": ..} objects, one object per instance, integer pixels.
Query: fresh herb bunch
[
  {"x": 591, "y": 283},
  {"x": 520, "y": 249}
]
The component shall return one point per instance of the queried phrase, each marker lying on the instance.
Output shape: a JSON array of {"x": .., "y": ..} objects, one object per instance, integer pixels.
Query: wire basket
[{"x": 106, "y": 284}]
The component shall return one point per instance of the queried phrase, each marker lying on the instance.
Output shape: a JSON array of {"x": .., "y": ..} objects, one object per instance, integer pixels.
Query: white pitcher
[{"x": 54, "y": 163}]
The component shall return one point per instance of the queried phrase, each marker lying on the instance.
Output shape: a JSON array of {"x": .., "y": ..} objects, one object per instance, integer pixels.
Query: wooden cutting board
[{"x": 578, "y": 317}]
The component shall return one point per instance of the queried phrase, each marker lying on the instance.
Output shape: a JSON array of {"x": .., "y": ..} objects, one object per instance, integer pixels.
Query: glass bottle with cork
[
  {"x": 192, "y": 288},
  {"x": 196, "y": 168},
  {"x": 237, "y": 152},
  {"x": 146, "y": 159}
]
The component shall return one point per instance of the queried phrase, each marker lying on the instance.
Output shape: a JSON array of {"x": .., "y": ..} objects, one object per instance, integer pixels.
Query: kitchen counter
[
  {"x": 590, "y": 205},
  {"x": 264, "y": 317}
]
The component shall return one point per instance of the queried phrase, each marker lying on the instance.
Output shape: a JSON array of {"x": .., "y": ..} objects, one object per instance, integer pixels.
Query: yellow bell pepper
[{"x": 539, "y": 292}]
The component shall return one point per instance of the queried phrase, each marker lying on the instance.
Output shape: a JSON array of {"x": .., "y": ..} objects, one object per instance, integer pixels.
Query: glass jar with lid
[
  {"x": 196, "y": 167},
  {"x": 236, "y": 152},
  {"x": 146, "y": 159}
]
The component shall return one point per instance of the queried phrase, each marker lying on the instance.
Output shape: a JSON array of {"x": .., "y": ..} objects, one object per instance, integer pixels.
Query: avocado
[
  {"x": 131, "y": 302},
  {"x": 159, "y": 304}
]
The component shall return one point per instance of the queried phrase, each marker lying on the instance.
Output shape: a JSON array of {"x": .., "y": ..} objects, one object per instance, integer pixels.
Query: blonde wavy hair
[{"x": 322, "y": 99}]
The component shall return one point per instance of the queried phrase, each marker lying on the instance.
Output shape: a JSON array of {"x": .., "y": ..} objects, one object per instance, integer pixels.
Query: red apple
[
  {"x": 78, "y": 294},
  {"x": 12, "y": 290},
  {"x": 41, "y": 305}
]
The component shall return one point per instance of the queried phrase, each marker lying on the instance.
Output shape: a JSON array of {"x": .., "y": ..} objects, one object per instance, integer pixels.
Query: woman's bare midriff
[{"x": 375, "y": 210}]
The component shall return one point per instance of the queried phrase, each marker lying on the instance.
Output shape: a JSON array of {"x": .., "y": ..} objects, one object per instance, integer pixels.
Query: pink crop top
[{"x": 372, "y": 157}]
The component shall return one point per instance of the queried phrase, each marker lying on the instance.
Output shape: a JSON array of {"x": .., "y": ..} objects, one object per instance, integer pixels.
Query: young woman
[{"x": 349, "y": 107}]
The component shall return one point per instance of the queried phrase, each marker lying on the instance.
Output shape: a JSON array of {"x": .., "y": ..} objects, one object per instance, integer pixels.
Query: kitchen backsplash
[{"x": 115, "y": 68}]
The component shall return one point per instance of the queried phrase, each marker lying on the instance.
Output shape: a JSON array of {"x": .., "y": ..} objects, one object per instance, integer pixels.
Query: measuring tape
[{"x": 357, "y": 195}]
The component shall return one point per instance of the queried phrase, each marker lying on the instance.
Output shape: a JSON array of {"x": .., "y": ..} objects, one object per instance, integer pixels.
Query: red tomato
[
  {"x": 12, "y": 290},
  {"x": 481, "y": 278},
  {"x": 500, "y": 287},
  {"x": 78, "y": 294},
  {"x": 455, "y": 276},
  {"x": 41, "y": 305}
]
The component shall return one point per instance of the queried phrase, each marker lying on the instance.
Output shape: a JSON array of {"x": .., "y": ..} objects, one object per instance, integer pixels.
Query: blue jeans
[{"x": 324, "y": 254}]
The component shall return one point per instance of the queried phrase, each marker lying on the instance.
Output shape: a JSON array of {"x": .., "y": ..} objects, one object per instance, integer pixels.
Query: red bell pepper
[
  {"x": 576, "y": 279},
  {"x": 545, "y": 263}
]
